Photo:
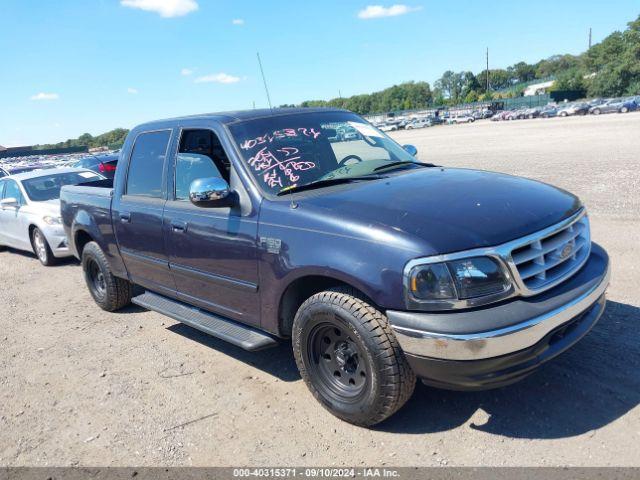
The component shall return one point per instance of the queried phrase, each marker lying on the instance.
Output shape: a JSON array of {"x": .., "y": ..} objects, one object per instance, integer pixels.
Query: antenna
[
  {"x": 589, "y": 37},
  {"x": 264, "y": 80}
]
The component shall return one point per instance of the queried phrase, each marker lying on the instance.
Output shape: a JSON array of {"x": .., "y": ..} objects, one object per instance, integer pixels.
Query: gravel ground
[{"x": 79, "y": 386}]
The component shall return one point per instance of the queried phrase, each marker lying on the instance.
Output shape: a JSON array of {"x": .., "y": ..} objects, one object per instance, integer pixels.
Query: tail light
[{"x": 106, "y": 167}]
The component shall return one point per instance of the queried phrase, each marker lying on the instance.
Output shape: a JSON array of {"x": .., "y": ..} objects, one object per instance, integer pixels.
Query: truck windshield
[
  {"x": 284, "y": 151},
  {"x": 47, "y": 187}
]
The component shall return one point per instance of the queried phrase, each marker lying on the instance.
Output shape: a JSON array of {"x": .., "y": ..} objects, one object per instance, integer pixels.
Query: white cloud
[
  {"x": 132, "y": 91},
  {"x": 165, "y": 8},
  {"x": 237, "y": 21},
  {"x": 186, "y": 72},
  {"x": 217, "y": 78},
  {"x": 45, "y": 96},
  {"x": 378, "y": 11}
]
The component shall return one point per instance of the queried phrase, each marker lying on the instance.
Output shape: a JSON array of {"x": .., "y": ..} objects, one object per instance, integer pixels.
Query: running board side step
[{"x": 243, "y": 336}]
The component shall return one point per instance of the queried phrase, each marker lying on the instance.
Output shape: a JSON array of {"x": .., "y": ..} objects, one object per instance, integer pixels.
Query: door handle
[
  {"x": 178, "y": 226},
  {"x": 125, "y": 217}
]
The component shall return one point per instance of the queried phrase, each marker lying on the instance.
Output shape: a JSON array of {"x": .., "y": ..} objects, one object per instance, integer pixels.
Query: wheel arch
[
  {"x": 32, "y": 227},
  {"x": 301, "y": 288},
  {"x": 80, "y": 239}
]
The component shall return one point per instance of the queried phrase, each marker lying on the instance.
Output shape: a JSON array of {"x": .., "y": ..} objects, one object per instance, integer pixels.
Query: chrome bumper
[{"x": 501, "y": 341}]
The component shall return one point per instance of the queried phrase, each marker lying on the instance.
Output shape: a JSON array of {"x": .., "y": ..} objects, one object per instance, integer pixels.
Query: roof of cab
[{"x": 237, "y": 116}]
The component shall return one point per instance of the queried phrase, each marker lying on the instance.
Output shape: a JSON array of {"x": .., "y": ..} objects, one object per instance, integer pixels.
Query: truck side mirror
[
  {"x": 209, "y": 192},
  {"x": 411, "y": 150}
]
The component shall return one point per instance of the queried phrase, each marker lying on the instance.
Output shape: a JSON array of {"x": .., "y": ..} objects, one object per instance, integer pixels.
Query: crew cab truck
[{"x": 265, "y": 225}]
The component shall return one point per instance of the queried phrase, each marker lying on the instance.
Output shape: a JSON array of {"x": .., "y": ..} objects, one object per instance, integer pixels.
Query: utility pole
[
  {"x": 487, "y": 70},
  {"x": 340, "y": 94},
  {"x": 589, "y": 37}
]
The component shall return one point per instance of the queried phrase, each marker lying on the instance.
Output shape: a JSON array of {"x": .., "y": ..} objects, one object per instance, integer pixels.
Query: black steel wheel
[
  {"x": 337, "y": 362},
  {"x": 349, "y": 357},
  {"x": 96, "y": 281},
  {"x": 111, "y": 293}
]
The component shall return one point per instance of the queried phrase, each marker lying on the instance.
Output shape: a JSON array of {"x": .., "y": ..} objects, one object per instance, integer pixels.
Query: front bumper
[
  {"x": 497, "y": 345},
  {"x": 57, "y": 240}
]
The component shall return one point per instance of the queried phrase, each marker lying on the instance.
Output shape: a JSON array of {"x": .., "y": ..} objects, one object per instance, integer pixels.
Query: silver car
[{"x": 30, "y": 211}]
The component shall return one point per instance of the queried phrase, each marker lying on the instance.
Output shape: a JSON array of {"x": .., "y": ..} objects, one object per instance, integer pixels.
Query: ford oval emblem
[{"x": 566, "y": 251}]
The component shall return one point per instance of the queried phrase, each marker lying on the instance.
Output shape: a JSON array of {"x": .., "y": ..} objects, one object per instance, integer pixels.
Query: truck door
[
  {"x": 212, "y": 251},
  {"x": 138, "y": 213}
]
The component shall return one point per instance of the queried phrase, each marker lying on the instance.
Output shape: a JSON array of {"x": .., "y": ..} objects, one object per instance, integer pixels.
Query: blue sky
[{"x": 75, "y": 66}]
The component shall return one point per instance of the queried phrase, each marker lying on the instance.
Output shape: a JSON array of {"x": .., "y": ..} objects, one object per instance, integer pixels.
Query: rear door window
[
  {"x": 12, "y": 190},
  {"x": 146, "y": 167}
]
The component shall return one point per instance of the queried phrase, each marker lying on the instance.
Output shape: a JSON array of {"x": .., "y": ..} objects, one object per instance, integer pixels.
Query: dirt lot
[{"x": 81, "y": 386}]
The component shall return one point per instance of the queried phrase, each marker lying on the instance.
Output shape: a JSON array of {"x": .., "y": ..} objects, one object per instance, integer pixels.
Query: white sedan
[{"x": 30, "y": 211}]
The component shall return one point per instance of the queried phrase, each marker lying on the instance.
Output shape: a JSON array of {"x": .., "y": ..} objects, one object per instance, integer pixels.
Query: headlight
[
  {"x": 52, "y": 220},
  {"x": 457, "y": 283}
]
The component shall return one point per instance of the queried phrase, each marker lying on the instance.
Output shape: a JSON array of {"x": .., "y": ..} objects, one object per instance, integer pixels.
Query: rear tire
[
  {"x": 349, "y": 357},
  {"x": 41, "y": 248},
  {"x": 624, "y": 110},
  {"x": 596, "y": 111},
  {"x": 111, "y": 293}
]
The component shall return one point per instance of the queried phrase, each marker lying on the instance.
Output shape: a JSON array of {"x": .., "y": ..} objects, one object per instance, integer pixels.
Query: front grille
[{"x": 548, "y": 260}]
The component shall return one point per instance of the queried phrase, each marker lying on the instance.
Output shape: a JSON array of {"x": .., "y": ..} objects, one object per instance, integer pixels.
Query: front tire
[
  {"x": 41, "y": 248},
  {"x": 624, "y": 110},
  {"x": 111, "y": 293},
  {"x": 349, "y": 357},
  {"x": 596, "y": 111}
]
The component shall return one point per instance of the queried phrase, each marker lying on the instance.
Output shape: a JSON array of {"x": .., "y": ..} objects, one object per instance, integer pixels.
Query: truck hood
[{"x": 440, "y": 210}]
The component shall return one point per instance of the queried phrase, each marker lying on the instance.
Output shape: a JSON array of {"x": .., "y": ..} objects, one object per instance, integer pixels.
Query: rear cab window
[{"x": 146, "y": 166}]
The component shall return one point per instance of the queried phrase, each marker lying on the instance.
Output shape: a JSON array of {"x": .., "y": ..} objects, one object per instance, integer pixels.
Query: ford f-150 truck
[{"x": 263, "y": 225}]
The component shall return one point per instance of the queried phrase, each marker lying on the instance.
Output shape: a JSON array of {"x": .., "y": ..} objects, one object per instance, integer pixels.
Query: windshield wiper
[
  {"x": 325, "y": 183},
  {"x": 402, "y": 164}
]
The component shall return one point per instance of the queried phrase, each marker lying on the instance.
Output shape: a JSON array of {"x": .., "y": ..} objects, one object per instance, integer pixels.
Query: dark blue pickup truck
[{"x": 266, "y": 225}]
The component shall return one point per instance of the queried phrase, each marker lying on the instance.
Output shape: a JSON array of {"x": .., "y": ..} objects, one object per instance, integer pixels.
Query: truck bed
[{"x": 87, "y": 201}]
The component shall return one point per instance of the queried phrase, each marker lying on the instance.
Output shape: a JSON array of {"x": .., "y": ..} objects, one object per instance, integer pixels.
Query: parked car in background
[
  {"x": 573, "y": 109},
  {"x": 339, "y": 249},
  {"x": 533, "y": 112},
  {"x": 388, "y": 127},
  {"x": 14, "y": 170},
  {"x": 482, "y": 114},
  {"x": 619, "y": 105},
  {"x": 596, "y": 101},
  {"x": 462, "y": 119},
  {"x": 103, "y": 164},
  {"x": 30, "y": 211},
  {"x": 418, "y": 123},
  {"x": 549, "y": 111},
  {"x": 513, "y": 114}
]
